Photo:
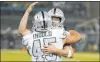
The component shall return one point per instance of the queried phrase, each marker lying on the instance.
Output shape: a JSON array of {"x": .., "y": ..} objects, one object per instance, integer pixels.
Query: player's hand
[
  {"x": 49, "y": 49},
  {"x": 31, "y": 7}
]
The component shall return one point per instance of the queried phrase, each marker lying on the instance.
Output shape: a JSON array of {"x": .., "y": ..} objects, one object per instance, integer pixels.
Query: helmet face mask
[
  {"x": 56, "y": 12},
  {"x": 42, "y": 21},
  {"x": 42, "y": 25}
]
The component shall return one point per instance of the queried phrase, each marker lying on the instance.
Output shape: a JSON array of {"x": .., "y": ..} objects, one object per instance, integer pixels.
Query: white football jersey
[{"x": 35, "y": 41}]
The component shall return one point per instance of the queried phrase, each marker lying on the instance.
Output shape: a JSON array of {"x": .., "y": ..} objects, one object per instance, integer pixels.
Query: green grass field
[{"x": 17, "y": 55}]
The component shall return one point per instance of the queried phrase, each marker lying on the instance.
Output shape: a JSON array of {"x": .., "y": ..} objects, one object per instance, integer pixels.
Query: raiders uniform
[{"x": 35, "y": 41}]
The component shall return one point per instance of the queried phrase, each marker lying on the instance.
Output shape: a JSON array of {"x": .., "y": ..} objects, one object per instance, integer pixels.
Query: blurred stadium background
[{"x": 81, "y": 16}]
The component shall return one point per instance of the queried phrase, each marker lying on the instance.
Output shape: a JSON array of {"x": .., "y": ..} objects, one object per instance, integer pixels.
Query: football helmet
[
  {"x": 42, "y": 21},
  {"x": 56, "y": 12}
]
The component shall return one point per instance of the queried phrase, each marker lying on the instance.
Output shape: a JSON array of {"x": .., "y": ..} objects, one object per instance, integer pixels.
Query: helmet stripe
[
  {"x": 43, "y": 19},
  {"x": 42, "y": 14},
  {"x": 54, "y": 10}
]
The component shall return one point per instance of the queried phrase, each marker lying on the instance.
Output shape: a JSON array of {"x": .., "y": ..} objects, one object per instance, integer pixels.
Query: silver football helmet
[
  {"x": 42, "y": 21},
  {"x": 56, "y": 12}
]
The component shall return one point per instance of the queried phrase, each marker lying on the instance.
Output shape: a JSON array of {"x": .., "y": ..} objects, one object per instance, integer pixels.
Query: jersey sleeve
[
  {"x": 65, "y": 34},
  {"x": 26, "y": 39}
]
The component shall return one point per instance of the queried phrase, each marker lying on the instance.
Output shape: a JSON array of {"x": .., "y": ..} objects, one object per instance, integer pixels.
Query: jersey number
[{"x": 36, "y": 50}]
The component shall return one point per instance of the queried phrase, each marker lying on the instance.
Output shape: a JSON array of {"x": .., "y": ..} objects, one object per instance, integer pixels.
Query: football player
[
  {"x": 73, "y": 37},
  {"x": 58, "y": 20},
  {"x": 42, "y": 34}
]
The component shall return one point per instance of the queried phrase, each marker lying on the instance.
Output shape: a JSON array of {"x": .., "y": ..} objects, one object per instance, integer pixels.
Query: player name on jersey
[{"x": 42, "y": 34}]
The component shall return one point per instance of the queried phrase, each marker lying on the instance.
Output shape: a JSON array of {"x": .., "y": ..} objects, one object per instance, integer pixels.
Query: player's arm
[
  {"x": 74, "y": 37},
  {"x": 69, "y": 49},
  {"x": 66, "y": 52},
  {"x": 23, "y": 23}
]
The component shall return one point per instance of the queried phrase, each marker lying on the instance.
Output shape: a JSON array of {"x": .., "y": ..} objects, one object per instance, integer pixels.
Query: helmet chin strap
[{"x": 58, "y": 25}]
